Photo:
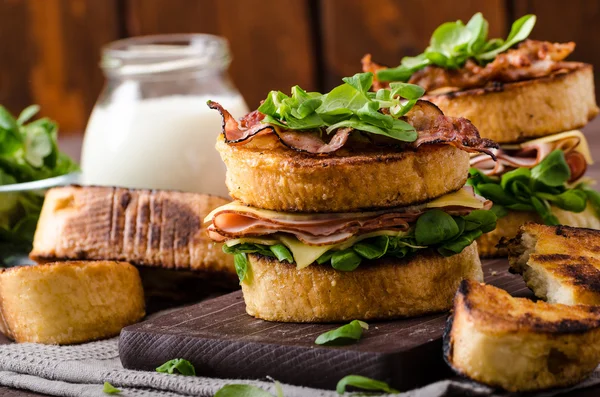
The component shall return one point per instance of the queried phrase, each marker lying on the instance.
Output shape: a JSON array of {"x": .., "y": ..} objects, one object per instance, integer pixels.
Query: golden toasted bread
[
  {"x": 382, "y": 289},
  {"x": 69, "y": 302},
  {"x": 519, "y": 345},
  {"x": 507, "y": 227},
  {"x": 285, "y": 180},
  {"x": 560, "y": 264},
  {"x": 145, "y": 227},
  {"x": 514, "y": 112}
]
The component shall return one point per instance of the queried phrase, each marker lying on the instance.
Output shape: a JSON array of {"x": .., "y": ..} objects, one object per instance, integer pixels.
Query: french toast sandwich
[
  {"x": 525, "y": 95},
  {"x": 349, "y": 205}
]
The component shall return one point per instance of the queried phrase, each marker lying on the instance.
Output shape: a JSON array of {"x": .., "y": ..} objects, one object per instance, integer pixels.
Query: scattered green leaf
[
  {"x": 110, "y": 389},
  {"x": 241, "y": 390},
  {"x": 364, "y": 383},
  {"x": 177, "y": 365},
  {"x": 343, "y": 335}
]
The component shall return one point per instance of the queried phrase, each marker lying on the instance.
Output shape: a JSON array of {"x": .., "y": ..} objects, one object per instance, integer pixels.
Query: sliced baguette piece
[
  {"x": 517, "y": 344},
  {"x": 514, "y": 112},
  {"x": 507, "y": 227},
  {"x": 560, "y": 264},
  {"x": 381, "y": 289},
  {"x": 282, "y": 179},
  {"x": 151, "y": 228},
  {"x": 69, "y": 302}
]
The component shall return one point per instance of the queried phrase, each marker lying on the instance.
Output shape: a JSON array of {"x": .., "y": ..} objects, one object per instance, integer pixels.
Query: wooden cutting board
[{"x": 222, "y": 341}]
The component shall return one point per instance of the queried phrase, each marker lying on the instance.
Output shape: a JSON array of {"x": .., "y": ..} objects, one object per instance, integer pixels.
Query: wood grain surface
[
  {"x": 50, "y": 51},
  {"x": 51, "y": 48}
]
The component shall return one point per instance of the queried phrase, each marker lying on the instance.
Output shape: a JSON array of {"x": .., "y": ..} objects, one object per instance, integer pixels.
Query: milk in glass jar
[{"x": 151, "y": 127}]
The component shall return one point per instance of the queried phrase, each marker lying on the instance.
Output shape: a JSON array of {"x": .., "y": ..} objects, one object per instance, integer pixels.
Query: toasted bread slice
[
  {"x": 519, "y": 345},
  {"x": 69, "y": 302},
  {"x": 514, "y": 112},
  {"x": 507, "y": 227},
  {"x": 145, "y": 227},
  {"x": 282, "y": 179},
  {"x": 559, "y": 263},
  {"x": 382, "y": 289}
]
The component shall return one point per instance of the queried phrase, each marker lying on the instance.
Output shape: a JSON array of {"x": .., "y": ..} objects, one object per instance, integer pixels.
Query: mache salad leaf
[
  {"x": 453, "y": 43},
  {"x": 363, "y": 383},
  {"x": 344, "y": 335},
  {"x": 350, "y": 104},
  {"x": 435, "y": 229},
  {"x": 28, "y": 152},
  {"x": 537, "y": 189}
]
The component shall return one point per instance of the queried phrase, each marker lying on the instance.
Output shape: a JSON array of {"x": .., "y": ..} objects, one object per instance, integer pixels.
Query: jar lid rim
[{"x": 146, "y": 54}]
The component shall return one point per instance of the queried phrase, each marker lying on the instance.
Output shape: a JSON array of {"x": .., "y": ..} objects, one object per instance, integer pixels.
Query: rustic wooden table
[{"x": 72, "y": 144}]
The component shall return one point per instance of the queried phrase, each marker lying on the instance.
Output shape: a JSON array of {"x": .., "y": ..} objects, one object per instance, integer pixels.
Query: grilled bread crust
[
  {"x": 507, "y": 227},
  {"x": 514, "y": 112},
  {"x": 282, "y": 179},
  {"x": 382, "y": 289},
  {"x": 69, "y": 302},
  {"x": 145, "y": 227},
  {"x": 519, "y": 345},
  {"x": 559, "y": 263}
]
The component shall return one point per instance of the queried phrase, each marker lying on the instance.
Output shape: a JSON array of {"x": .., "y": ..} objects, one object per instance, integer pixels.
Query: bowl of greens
[{"x": 28, "y": 153}]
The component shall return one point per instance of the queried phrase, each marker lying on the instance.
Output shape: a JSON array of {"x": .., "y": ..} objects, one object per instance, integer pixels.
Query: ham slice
[
  {"x": 236, "y": 221},
  {"x": 429, "y": 122},
  {"x": 531, "y": 154}
]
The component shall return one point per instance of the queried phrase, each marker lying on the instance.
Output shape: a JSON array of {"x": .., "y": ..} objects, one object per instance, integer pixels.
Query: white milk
[{"x": 160, "y": 143}]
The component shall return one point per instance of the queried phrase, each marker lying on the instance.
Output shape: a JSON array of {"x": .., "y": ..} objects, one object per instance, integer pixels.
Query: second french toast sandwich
[
  {"x": 525, "y": 95},
  {"x": 350, "y": 204}
]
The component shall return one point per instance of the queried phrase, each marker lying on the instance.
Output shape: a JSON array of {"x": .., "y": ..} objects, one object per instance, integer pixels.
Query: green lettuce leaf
[
  {"x": 453, "y": 43},
  {"x": 350, "y": 104},
  {"x": 536, "y": 189}
]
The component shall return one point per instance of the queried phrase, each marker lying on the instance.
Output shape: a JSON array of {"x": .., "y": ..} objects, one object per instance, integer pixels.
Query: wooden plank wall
[{"x": 50, "y": 49}]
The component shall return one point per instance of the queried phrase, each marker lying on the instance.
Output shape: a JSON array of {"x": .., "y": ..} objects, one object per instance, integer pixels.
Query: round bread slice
[
  {"x": 282, "y": 179},
  {"x": 69, "y": 302},
  {"x": 382, "y": 289},
  {"x": 514, "y": 112},
  {"x": 508, "y": 227},
  {"x": 517, "y": 344}
]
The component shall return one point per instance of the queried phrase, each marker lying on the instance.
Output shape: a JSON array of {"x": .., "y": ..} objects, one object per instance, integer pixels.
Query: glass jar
[{"x": 151, "y": 127}]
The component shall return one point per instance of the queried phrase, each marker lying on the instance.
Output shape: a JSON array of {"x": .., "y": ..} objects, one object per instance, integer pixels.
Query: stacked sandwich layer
[
  {"x": 350, "y": 205},
  {"x": 529, "y": 100}
]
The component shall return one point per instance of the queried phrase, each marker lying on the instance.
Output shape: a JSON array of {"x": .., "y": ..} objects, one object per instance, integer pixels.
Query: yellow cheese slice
[
  {"x": 582, "y": 148},
  {"x": 462, "y": 197}
]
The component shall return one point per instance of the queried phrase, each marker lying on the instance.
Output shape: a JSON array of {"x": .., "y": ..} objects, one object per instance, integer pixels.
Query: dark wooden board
[{"x": 222, "y": 341}]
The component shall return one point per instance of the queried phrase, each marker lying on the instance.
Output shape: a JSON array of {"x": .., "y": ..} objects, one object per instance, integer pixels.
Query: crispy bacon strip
[
  {"x": 528, "y": 156},
  {"x": 531, "y": 59},
  {"x": 429, "y": 121},
  {"x": 250, "y": 126},
  {"x": 318, "y": 229}
]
